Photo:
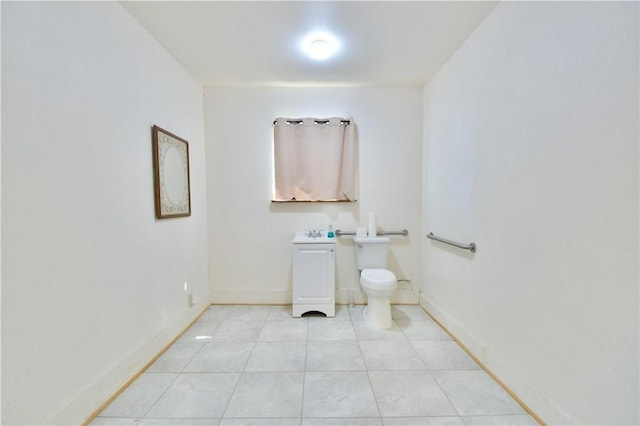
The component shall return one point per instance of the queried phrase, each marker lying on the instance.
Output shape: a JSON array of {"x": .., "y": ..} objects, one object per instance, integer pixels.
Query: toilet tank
[{"x": 371, "y": 252}]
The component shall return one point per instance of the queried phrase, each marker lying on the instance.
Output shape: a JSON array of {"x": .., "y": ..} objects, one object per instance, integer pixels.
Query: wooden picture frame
[{"x": 171, "y": 174}]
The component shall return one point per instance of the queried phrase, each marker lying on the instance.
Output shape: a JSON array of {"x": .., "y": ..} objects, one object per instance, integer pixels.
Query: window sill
[{"x": 313, "y": 201}]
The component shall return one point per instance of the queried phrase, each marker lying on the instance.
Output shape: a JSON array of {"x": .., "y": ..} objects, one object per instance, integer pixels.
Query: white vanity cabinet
[{"x": 314, "y": 280}]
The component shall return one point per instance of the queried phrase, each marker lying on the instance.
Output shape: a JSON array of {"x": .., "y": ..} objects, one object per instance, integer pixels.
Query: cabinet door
[{"x": 313, "y": 273}]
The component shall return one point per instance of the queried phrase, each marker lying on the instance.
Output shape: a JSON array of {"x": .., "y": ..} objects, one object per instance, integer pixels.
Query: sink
[{"x": 302, "y": 237}]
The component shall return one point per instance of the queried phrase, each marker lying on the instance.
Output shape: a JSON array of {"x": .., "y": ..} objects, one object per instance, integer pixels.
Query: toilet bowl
[{"x": 379, "y": 285}]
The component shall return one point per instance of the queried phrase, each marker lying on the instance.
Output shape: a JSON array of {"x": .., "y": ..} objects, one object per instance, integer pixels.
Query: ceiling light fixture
[{"x": 320, "y": 45}]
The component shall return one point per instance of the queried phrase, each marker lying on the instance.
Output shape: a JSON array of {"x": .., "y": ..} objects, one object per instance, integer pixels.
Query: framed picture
[{"x": 171, "y": 174}]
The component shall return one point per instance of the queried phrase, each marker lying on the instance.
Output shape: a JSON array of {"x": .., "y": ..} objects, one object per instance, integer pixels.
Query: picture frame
[{"x": 172, "y": 184}]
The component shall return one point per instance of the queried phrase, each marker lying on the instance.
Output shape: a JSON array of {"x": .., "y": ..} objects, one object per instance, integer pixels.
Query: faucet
[{"x": 314, "y": 233}]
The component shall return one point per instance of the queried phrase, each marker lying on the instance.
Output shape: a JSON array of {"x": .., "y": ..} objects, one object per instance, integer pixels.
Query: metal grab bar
[
  {"x": 471, "y": 246},
  {"x": 403, "y": 232}
]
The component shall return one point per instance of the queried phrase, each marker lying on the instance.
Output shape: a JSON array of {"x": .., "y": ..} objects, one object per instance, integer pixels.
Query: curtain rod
[{"x": 345, "y": 122}]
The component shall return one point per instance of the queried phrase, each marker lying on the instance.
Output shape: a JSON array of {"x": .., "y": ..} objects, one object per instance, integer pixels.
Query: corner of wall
[
  {"x": 517, "y": 384},
  {"x": 112, "y": 383}
]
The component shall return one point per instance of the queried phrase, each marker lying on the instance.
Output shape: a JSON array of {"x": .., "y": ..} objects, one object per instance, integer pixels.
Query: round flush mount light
[{"x": 320, "y": 45}]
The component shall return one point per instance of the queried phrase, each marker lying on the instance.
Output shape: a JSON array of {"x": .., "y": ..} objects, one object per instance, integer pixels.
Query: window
[{"x": 314, "y": 159}]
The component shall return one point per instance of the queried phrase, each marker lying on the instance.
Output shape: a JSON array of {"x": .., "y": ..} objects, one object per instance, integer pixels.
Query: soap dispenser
[{"x": 330, "y": 233}]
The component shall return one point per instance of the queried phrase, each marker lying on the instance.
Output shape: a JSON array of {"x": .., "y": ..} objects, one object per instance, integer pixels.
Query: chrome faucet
[{"x": 314, "y": 233}]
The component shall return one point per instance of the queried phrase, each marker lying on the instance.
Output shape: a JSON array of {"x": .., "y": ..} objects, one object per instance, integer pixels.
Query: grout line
[
  {"x": 161, "y": 395},
  {"x": 235, "y": 387},
  {"x": 444, "y": 392},
  {"x": 366, "y": 370},
  {"x": 358, "y": 341},
  {"x": 304, "y": 374},
  {"x": 182, "y": 372},
  {"x": 142, "y": 370},
  {"x": 244, "y": 369},
  {"x": 515, "y": 397}
]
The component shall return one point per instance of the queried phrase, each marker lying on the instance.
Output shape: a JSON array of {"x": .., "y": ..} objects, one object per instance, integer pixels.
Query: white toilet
[{"x": 378, "y": 283}]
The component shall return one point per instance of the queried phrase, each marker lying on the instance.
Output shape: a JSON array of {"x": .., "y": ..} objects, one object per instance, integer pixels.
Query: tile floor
[{"x": 256, "y": 365}]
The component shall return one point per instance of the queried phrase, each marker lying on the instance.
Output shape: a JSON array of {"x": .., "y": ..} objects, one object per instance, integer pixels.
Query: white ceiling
[{"x": 384, "y": 43}]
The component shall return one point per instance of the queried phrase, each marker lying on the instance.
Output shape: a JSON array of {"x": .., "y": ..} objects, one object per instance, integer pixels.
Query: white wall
[
  {"x": 250, "y": 237},
  {"x": 92, "y": 284},
  {"x": 531, "y": 151}
]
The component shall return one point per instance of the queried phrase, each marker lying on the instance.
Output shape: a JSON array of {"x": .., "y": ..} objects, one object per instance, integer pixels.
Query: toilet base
[{"x": 378, "y": 312}]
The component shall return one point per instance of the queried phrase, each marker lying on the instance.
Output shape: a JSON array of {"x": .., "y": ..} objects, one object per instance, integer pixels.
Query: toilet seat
[{"x": 378, "y": 279}]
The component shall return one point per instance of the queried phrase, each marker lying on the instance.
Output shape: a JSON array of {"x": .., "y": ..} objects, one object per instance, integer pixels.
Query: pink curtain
[{"x": 314, "y": 159}]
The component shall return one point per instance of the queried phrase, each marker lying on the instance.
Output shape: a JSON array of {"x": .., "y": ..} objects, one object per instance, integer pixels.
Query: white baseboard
[
  {"x": 253, "y": 297},
  {"x": 402, "y": 296},
  {"x": 250, "y": 297},
  {"x": 517, "y": 384},
  {"x": 94, "y": 397}
]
